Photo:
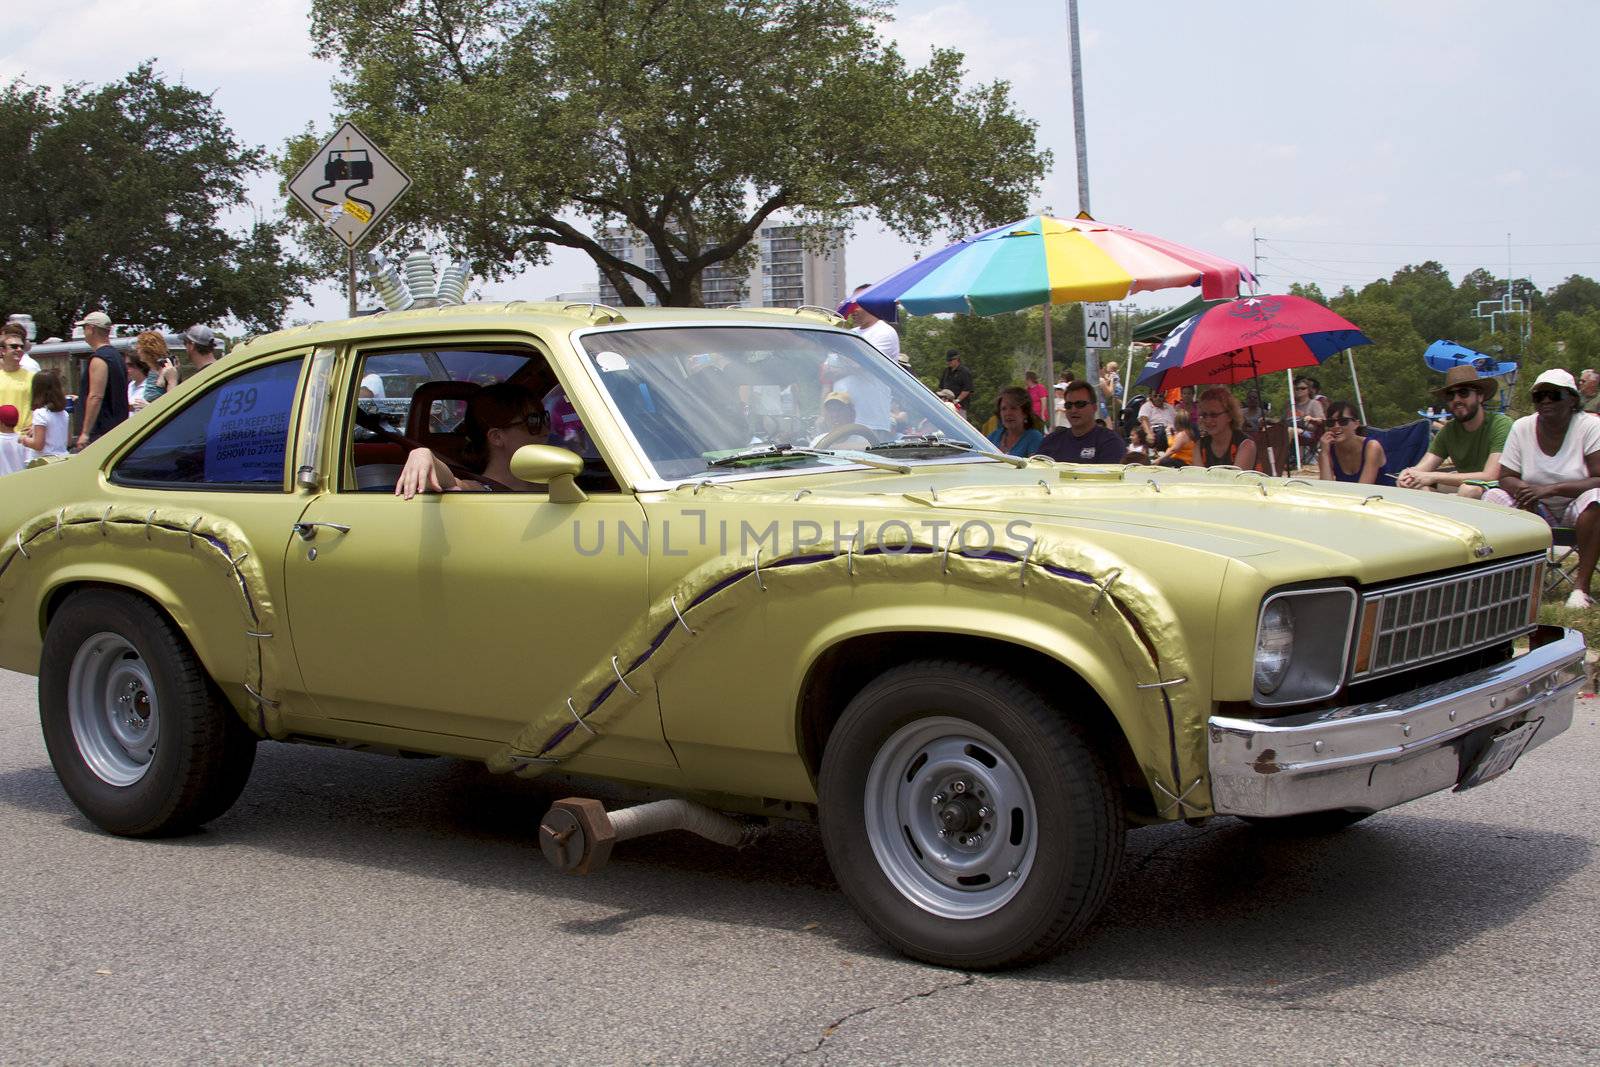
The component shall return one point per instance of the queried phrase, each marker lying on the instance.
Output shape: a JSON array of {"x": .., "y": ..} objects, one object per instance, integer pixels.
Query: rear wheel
[
  {"x": 142, "y": 741},
  {"x": 969, "y": 822}
]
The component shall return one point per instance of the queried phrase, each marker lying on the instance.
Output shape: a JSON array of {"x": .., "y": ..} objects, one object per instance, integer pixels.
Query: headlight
[
  {"x": 1274, "y": 647},
  {"x": 1302, "y": 644}
]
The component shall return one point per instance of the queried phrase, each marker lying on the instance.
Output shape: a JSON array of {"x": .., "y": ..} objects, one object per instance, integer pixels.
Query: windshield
[{"x": 694, "y": 395}]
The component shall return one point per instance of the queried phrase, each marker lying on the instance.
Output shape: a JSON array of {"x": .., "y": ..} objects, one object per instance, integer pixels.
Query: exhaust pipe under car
[{"x": 576, "y": 835}]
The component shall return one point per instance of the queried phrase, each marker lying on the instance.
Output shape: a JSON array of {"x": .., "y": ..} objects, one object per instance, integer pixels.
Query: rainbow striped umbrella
[{"x": 1047, "y": 260}]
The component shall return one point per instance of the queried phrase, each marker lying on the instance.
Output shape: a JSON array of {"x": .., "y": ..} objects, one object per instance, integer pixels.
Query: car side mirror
[{"x": 556, "y": 467}]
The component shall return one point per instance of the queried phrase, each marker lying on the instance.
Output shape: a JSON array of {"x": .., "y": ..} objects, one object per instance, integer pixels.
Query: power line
[{"x": 1436, "y": 244}]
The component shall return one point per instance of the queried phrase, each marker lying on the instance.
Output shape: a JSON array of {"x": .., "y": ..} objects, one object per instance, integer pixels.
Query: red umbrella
[{"x": 1247, "y": 338}]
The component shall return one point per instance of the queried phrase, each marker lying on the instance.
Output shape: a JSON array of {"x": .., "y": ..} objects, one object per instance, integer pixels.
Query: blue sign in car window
[
  {"x": 248, "y": 433},
  {"x": 234, "y": 434}
]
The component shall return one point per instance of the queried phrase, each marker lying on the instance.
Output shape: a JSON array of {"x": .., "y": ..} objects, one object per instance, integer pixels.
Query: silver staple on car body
[
  {"x": 148, "y": 519},
  {"x": 1046, "y": 485},
  {"x": 631, "y": 690},
  {"x": 24, "y": 551},
  {"x": 579, "y": 718},
  {"x": 104, "y": 519},
  {"x": 1105, "y": 589},
  {"x": 60, "y": 518},
  {"x": 673, "y": 600},
  {"x": 1370, "y": 499},
  {"x": 551, "y": 760},
  {"x": 1161, "y": 685},
  {"x": 948, "y": 545},
  {"x": 760, "y": 582},
  {"x": 801, "y": 493},
  {"x": 1178, "y": 799},
  {"x": 192, "y": 525},
  {"x": 1151, "y": 482},
  {"x": 259, "y": 635},
  {"x": 260, "y": 699},
  {"x": 1027, "y": 553}
]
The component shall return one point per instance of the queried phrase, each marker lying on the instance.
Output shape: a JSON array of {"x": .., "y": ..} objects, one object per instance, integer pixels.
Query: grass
[{"x": 1555, "y": 613}]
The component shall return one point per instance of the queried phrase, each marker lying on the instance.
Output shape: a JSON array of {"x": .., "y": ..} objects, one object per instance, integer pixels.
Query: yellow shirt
[{"x": 16, "y": 388}]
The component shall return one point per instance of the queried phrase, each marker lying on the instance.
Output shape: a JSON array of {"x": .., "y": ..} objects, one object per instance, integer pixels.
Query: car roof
[{"x": 517, "y": 315}]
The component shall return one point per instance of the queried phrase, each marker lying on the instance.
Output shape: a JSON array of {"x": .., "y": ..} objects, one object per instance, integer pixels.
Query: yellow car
[{"x": 655, "y": 557}]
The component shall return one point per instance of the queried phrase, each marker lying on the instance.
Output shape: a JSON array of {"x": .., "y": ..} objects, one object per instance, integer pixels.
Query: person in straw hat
[{"x": 1472, "y": 440}]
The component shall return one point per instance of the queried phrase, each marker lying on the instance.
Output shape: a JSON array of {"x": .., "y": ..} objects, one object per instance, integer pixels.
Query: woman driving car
[{"x": 500, "y": 419}]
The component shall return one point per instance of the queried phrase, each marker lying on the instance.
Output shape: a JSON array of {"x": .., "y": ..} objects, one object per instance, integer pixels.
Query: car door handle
[{"x": 308, "y": 530}]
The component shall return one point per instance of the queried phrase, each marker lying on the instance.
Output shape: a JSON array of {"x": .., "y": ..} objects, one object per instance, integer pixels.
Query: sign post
[
  {"x": 1096, "y": 336},
  {"x": 349, "y": 185}
]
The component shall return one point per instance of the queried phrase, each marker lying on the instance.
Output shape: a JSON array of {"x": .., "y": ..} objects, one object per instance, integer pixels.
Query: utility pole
[{"x": 1091, "y": 357}]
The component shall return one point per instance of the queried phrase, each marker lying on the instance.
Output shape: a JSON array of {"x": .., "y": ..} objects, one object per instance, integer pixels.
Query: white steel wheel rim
[
  {"x": 981, "y": 860},
  {"x": 111, "y": 705}
]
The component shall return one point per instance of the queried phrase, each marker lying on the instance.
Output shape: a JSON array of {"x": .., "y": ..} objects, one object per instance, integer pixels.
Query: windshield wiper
[
  {"x": 933, "y": 440},
  {"x": 778, "y": 451}
]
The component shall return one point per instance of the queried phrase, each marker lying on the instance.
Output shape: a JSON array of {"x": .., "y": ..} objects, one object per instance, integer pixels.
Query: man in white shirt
[
  {"x": 879, "y": 334},
  {"x": 1156, "y": 412}
]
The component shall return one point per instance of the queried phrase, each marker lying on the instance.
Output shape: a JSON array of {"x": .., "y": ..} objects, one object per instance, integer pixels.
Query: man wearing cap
[
  {"x": 1551, "y": 467},
  {"x": 201, "y": 344},
  {"x": 878, "y": 334},
  {"x": 840, "y": 428},
  {"x": 1473, "y": 440},
  {"x": 957, "y": 379},
  {"x": 105, "y": 393}
]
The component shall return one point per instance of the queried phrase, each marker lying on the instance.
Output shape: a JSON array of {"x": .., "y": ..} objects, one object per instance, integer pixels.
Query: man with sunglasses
[
  {"x": 1082, "y": 440},
  {"x": 1552, "y": 468},
  {"x": 16, "y": 382},
  {"x": 1472, "y": 440}
]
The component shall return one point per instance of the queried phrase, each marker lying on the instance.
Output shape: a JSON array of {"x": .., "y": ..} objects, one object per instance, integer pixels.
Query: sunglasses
[
  {"x": 1344, "y": 422},
  {"x": 533, "y": 420},
  {"x": 1074, "y": 405},
  {"x": 1460, "y": 392},
  {"x": 1546, "y": 396}
]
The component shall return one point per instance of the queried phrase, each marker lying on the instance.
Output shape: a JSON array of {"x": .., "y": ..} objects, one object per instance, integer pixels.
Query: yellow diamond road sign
[{"x": 349, "y": 185}]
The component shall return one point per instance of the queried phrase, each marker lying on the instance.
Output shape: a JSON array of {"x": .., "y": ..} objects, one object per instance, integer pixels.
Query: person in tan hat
[{"x": 1472, "y": 440}]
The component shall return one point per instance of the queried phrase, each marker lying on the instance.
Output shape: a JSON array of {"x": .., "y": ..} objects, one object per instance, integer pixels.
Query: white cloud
[{"x": 1510, "y": 177}]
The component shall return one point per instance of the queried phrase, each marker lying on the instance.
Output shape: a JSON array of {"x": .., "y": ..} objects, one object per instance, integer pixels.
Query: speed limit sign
[{"x": 1097, "y": 325}]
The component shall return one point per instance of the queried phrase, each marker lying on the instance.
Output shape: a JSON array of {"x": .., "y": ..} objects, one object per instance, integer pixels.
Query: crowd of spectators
[{"x": 115, "y": 384}]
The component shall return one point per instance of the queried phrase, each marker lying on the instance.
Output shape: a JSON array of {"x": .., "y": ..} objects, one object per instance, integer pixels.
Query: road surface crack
[{"x": 833, "y": 1028}]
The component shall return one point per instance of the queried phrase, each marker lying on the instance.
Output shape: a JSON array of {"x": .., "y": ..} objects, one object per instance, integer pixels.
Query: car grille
[{"x": 1424, "y": 622}]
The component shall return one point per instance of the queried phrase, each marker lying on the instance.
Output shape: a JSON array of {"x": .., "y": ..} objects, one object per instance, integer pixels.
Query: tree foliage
[
  {"x": 531, "y": 123},
  {"x": 113, "y": 198}
]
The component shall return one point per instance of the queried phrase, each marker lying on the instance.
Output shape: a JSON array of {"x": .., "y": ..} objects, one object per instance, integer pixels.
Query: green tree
[
  {"x": 113, "y": 198},
  {"x": 531, "y": 123},
  {"x": 1577, "y": 295}
]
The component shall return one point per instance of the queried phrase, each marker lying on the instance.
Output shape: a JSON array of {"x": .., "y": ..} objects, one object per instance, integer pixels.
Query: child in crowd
[
  {"x": 48, "y": 434},
  {"x": 12, "y": 456},
  {"x": 1139, "y": 443}
]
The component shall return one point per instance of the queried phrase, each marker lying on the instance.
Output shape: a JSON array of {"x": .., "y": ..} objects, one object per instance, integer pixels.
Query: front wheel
[
  {"x": 141, "y": 740},
  {"x": 971, "y": 823}
]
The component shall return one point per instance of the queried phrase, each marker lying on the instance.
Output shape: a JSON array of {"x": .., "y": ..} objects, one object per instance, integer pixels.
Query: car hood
[{"x": 1285, "y": 529}]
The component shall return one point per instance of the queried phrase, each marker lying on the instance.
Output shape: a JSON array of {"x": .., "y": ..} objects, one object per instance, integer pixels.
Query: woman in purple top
[{"x": 1348, "y": 457}]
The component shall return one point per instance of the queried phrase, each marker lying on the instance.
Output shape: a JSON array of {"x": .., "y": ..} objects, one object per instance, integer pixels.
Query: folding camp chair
[
  {"x": 1403, "y": 446},
  {"x": 1559, "y": 559}
]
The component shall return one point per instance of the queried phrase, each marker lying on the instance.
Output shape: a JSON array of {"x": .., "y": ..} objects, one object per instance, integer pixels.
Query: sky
[{"x": 1352, "y": 138}]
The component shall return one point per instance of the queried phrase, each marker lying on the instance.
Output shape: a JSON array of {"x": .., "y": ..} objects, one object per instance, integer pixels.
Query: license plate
[{"x": 1500, "y": 756}]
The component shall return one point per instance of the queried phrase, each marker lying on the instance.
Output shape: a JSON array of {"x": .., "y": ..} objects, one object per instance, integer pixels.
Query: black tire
[
  {"x": 202, "y": 752},
  {"x": 1056, "y": 772},
  {"x": 1310, "y": 824}
]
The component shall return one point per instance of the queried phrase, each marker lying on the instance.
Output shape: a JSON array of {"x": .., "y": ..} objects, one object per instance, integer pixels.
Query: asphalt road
[{"x": 358, "y": 909}]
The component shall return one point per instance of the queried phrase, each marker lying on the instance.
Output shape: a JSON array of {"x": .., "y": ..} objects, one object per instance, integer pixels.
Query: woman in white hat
[{"x": 1551, "y": 467}]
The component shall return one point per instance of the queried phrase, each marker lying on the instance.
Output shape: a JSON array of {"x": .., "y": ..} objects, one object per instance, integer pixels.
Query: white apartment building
[{"x": 785, "y": 275}]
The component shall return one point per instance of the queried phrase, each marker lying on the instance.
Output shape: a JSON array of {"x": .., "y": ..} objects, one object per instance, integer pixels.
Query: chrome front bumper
[{"x": 1367, "y": 757}]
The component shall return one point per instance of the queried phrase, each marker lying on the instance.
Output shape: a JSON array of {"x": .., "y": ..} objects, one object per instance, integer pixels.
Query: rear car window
[{"x": 234, "y": 435}]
